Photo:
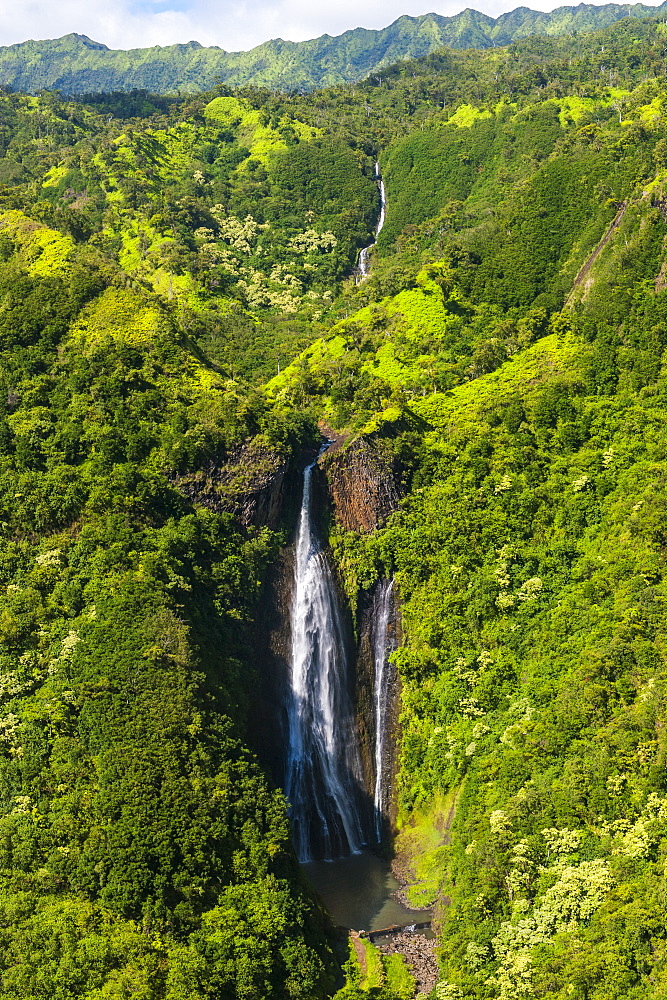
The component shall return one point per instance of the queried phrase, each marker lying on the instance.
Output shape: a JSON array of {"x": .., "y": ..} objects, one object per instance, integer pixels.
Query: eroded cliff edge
[
  {"x": 357, "y": 484},
  {"x": 362, "y": 483},
  {"x": 255, "y": 483}
]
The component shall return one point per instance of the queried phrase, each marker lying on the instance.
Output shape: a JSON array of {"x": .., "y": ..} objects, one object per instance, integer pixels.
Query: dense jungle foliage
[{"x": 178, "y": 305}]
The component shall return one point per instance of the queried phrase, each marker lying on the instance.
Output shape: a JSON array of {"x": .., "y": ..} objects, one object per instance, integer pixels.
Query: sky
[{"x": 231, "y": 24}]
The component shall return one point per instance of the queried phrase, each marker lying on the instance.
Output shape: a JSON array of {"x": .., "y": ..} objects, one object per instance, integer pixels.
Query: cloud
[
  {"x": 117, "y": 23},
  {"x": 231, "y": 24}
]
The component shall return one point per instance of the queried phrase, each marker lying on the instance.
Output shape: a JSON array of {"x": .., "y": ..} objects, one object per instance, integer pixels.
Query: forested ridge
[
  {"x": 178, "y": 306},
  {"x": 76, "y": 64}
]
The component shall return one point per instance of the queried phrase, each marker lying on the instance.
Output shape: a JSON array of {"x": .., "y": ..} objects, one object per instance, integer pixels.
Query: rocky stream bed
[{"x": 418, "y": 951}]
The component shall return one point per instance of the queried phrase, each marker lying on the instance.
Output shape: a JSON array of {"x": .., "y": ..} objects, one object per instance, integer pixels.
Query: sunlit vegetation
[{"x": 177, "y": 291}]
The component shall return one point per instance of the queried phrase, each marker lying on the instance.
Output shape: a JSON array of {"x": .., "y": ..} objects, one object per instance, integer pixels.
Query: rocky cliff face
[
  {"x": 252, "y": 484},
  {"x": 358, "y": 484},
  {"x": 274, "y": 639},
  {"x": 362, "y": 484},
  {"x": 269, "y": 727},
  {"x": 260, "y": 488}
]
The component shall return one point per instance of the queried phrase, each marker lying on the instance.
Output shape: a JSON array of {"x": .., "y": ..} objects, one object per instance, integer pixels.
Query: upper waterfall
[
  {"x": 323, "y": 769},
  {"x": 364, "y": 255}
]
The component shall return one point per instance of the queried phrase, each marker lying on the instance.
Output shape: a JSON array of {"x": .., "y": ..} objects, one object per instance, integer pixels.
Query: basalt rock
[
  {"x": 269, "y": 730},
  {"x": 362, "y": 484},
  {"x": 357, "y": 484},
  {"x": 419, "y": 953},
  {"x": 364, "y": 697},
  {"x": 251, "y": 484},
  {"x": 262, "y": 489}
]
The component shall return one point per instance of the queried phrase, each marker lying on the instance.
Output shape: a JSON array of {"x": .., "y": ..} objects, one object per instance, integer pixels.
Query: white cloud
[
  {"x": 117, "y": 23},
  {"x": 231, "y": 24}
]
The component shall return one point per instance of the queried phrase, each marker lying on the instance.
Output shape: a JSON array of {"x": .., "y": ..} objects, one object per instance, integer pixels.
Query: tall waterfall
[
  {"x": 364, "y": 255},
  {"x": 323, "y": 767},
  {"x": 382, "y": 647}
]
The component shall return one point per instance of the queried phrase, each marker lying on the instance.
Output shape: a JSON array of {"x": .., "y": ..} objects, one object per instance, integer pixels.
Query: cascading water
[
  {"x": 359, "y": 891},
  {"x": 323, "y": 768},
  {"x": 365, "y": 254},
  {"x": 382, "y": 647}
]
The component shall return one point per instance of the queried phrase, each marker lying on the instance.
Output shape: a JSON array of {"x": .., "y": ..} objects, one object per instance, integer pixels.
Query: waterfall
[
  {"x": 364, "y": 255},
  {"x": 381, "y": 696},
  {"x": 323, "y": 768}
]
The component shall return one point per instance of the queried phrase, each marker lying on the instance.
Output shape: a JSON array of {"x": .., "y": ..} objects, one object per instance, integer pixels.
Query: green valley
[{"x": 182, "y": 324}]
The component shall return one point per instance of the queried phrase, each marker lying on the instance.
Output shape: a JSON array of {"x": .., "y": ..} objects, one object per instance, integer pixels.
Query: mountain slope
[
  {"x": 505, "y": 362},
  {"x": 529, "y": 548},
  {"x": 75, "y": 64}
]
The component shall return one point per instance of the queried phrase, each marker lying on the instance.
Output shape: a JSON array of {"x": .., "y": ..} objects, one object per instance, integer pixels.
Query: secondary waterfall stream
[
  {"x": 381, "y": 700},
  {"x": 365, "y": 254},
  {"x": 323, "y": 773}
]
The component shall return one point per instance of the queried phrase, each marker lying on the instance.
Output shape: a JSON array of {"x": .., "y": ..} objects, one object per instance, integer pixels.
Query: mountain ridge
[{"x": 77, "y": 64}]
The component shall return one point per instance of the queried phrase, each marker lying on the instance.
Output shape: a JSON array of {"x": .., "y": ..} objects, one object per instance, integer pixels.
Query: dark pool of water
[{"x": 356, "y": 891}]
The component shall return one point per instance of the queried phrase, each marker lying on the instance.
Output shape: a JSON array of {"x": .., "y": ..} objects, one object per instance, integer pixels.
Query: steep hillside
[
  {"x": 515, "y": 385},
  {"x": 137, "y": 829},
  {"x": 75, "y": 64},
  {"x": 241, "y": 218},
  {"x": 135, "y": 826},
  {"x": 178, "y": 314}
]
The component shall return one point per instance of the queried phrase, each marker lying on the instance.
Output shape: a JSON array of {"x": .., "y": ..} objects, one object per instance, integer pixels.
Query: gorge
[
  {"x": 443, "y": 636},
  {"x": 323, "y": 775},
  {"x": 340, "y": 810}
]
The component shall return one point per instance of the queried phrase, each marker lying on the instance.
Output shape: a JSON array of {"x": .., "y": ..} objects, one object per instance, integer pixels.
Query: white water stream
[
  {"x": 364, "y": 263},
  {"x": 323, "y": 765},
  {"x": 381, "y": 699}
]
